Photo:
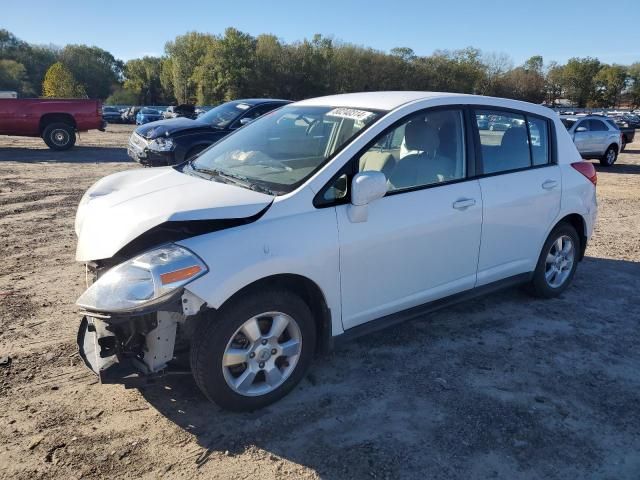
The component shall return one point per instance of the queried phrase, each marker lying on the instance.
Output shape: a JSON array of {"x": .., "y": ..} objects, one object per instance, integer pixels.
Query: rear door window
[
  {"x": 513, "y": 141},
  {"x": 597, "y": 126},
  {"x": 505, "y": 146}
]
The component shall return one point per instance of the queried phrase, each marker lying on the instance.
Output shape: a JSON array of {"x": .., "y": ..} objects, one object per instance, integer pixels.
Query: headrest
[
  {"x": 514, "y": 137},
  {"x": 418, "y": 135}
]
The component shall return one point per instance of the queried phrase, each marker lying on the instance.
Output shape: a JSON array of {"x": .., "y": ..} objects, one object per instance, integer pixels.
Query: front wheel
[
  {"x": 557, "y": 262},
  {"x": 610, "y": 156},
  {"x": 59, "y": 136},
  {"x": 254, "y": 351}
]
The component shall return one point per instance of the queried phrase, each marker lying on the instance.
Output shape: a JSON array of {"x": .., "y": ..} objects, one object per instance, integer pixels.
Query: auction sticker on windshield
[{"x": 350, "y": 113}]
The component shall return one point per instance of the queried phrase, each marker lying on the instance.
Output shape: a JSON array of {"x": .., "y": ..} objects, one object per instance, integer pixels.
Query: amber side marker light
[
  {"x": 587, "y": 169},
  {"x": 177, "y": 275}
]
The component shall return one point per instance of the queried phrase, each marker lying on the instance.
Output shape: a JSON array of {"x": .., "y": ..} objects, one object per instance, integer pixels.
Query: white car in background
[
  {"x": 321, "y": 221},
  {"x": 595, "y": 136}
]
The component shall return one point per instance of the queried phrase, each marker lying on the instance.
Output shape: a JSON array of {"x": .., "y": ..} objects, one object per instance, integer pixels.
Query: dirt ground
[{"x": 501, "y": 387}]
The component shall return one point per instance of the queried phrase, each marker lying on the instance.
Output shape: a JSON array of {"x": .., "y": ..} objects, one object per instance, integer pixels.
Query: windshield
[
  {"x": 149, "y": 110},
  {"x": 224, "y": 114},
  {"x": 568, "y": 122},
  {"x": 280, "y": 150}
]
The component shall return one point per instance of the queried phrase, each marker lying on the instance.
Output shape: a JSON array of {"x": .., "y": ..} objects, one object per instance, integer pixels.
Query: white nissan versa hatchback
[{"x": 320, "y": 221}]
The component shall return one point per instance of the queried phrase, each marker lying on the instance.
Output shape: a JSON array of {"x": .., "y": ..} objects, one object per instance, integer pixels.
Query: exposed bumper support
[{"x": 139, "y": 345}]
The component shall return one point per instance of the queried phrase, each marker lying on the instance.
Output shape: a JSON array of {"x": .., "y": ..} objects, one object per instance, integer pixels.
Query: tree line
[{"x": 207, "y": 69}]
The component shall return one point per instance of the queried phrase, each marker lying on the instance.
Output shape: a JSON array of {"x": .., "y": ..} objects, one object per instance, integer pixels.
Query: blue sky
[{"x": 555, "y": 29}]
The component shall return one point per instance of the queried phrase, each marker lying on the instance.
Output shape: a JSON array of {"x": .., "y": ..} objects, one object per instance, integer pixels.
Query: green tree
[
  {"x": 186, "y": 53},
  {"x": 634, "y": 84},
  {"x": 35, "y": 60},
  {"x": 123, "y": 96},
  {"x": 12, "y": 75},
  {"x": 227, "y": 69},
  {"x": 95, "y": 69},
  {"x": 578, "y": 78},
  {"x": 610, "y": 81},
  {"x": 553, "y": 82},
  {"x": 59, "y": 82},
  {"x": 142, "y": 77}
]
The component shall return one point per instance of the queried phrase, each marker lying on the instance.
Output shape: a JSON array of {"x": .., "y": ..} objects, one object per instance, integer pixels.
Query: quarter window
[
  {"x": 426, "y": 149},
  {"x": 539, "y": 136}
]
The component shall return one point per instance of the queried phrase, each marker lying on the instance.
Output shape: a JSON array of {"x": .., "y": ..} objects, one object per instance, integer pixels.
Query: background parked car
[
  {"x": 499, "y": 124},
  {"x": 595, "y": 137},
  {"x": 175, "y": 140},
  {"x": 111, "y": 115},
  {"x": 626, "y": 128},
  {"x": 147, "y": 115},
  {"x": 129, "y": 115}
]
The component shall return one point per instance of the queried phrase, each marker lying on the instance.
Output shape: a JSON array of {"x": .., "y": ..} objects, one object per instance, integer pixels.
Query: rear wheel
[
  {"x": 254, "y": 351},
  {"x": 610, "y": 156},
  {"x": 623, "y": 145},
  {"x": 557, "y": 262},
  {"x": 59, "y": 136}
]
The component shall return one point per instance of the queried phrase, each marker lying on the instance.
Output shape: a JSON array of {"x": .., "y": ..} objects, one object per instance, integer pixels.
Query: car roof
[
  {"x": 393, "y": 99},
  {"x": 374, "y": 100},
  {"x": 258, "y": 101}
]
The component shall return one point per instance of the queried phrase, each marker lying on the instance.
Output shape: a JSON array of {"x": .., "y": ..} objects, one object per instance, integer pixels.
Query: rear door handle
[
  {"x": 549, "y": 184},
  {"x": 464, "y": 203}
]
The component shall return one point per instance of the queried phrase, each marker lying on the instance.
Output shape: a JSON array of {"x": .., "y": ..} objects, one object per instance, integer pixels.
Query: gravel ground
[{"x": 502, "y": 387}]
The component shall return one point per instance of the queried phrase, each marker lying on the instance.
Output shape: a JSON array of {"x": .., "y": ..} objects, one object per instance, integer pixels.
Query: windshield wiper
[{"x": 236, "y": 179}]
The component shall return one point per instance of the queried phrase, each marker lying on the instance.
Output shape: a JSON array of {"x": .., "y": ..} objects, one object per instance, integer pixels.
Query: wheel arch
[
  {"x": 310, "y": 293},
  {"x": 49, "y": 118},
  {"x": 196, "y": 147},
  {"x": 578, "y": 222}
]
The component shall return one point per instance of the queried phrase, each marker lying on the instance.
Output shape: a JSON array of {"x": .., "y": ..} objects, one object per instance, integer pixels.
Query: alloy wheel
[
  {"x": 559, "y": 261},
  {"x": 262, "y": 354},
  {"x": 611, "y": 156}
]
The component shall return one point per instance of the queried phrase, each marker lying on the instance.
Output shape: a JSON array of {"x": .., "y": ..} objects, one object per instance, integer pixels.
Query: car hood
[
  {"x": 170, "y": 126},
  {"x": 121, "y": 207}
]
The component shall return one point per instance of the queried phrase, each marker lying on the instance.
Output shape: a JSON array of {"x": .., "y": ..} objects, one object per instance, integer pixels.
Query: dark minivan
[{"x": 172, "y": 141}]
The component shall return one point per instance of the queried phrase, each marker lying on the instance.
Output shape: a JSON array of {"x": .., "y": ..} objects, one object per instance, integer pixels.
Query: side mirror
[
  {"x": 581, "y": 129},
  {"x": 366, "y": 187},
  {"x": 244, "y": 121}
]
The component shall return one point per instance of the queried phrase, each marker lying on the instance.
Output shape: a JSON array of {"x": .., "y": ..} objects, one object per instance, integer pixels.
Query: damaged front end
[{"x": 136, "y": 312}]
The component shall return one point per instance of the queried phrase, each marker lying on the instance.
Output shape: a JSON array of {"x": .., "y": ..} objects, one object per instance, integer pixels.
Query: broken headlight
[
  {"x": 144, "y": 280},
  {"x": 161, "y": 144}
]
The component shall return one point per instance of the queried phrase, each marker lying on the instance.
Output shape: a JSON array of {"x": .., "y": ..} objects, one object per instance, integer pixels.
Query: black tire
[
  {"x": 623, "y": 145},
  {"x": 538, "y": 285},
  {"x": 610, "y": 156},
  {"x": 59, "y": 136},
  {"x": 212, "y": 333}
]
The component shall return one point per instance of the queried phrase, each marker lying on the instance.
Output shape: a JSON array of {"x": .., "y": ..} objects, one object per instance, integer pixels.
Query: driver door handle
[
  {"x": 549, "y": 184},
  {"x": 464, "y": 203}
]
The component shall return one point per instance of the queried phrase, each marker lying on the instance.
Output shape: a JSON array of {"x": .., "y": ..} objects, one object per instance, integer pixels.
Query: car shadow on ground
[
  {"x": 491, "y": 387},
  {"x": 78, "y": 154},
  {"x": 628, "y": 168}
]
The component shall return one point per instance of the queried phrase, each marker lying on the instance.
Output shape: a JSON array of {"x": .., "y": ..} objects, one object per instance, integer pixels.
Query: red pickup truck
[{"x": 55, "y": 120}]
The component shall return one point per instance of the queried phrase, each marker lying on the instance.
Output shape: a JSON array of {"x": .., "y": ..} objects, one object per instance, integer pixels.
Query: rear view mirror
[
  {"x": 365, "y": 188},
  {"x": 244, "y": 121},
  {"x": 581, "y": 129}
]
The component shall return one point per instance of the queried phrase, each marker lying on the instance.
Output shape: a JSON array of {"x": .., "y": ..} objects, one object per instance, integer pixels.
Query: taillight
[{"x": 588, "y": 170}]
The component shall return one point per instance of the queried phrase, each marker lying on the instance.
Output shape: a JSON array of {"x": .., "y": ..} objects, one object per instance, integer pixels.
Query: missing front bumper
[{"x": 128, "y": 348}]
